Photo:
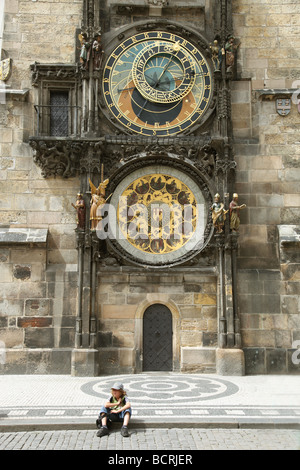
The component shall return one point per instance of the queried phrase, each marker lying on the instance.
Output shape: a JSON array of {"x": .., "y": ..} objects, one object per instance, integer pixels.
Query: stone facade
[
  {"x": 267, "y": 155},
  {"x": 39, "y": 276},
  {"x": 192, "y": 301}
]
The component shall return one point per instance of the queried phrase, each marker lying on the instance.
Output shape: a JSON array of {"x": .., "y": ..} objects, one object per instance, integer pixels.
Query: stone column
[
  {"x": 84, "y": 106},
  {"x": 230, "y": 358},
  {"x": 93, "y": 319},
  {"x": 91, "y": 100},
  {"x": 229, "y": 295},
  {"x": 237, "y": 331},
  {"x": 80, "y": 246},
  {"x": 222, "y": 340},
  {"x": 85, "y": 360}
]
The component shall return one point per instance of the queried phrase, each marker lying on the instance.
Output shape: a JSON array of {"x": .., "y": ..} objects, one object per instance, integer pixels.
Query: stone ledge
[
  {"x": 273, "y": 93},
  {"x": 22, "y": 236},
  {"x": 18, "y": 95},
  {"x": 288, "y": 234}
]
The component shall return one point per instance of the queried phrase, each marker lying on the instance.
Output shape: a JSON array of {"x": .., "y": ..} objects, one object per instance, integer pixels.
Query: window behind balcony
[{"x": 59, "y": 113}]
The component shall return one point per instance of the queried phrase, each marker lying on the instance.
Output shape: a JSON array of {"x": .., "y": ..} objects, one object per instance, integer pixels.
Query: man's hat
[{"x": 117, "y": 386}]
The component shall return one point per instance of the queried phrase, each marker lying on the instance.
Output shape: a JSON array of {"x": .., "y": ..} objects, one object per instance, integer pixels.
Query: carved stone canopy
[
  {"x": 69, "y": 157},
  {"x": 57, "y": 72}
]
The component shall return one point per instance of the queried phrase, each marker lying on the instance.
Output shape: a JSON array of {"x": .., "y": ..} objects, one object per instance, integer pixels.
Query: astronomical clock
[
  {"x": 142, "y": 119},
  {"x": 158, "y": 86}
]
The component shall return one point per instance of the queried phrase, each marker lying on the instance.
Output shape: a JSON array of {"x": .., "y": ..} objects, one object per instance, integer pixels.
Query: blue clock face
[{"x": 157, "y": 84}]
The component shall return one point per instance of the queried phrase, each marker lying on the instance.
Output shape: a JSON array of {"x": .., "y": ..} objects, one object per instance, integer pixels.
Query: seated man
[{"x": 116, "y": 409}]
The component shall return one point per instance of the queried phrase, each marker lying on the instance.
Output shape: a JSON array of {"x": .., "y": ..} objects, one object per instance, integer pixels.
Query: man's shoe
[
  {"x": 98, "y": 423},
  {"x": 102, "y": 432},
  {"x": 124, "y": 432}
]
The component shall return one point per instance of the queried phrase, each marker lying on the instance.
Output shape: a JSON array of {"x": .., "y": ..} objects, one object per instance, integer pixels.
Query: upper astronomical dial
[{"x": 157, "y": 84}]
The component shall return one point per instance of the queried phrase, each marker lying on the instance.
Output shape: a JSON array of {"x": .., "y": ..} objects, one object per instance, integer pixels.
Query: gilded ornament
[
  {"x": 5, "y": 69},
  {"x": 153, "y": 218},
  {"x": 97, "y": 199}
]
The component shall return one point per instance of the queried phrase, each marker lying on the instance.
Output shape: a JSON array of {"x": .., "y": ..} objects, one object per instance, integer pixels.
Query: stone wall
[
  {"x": 42, "y": 32},
  {"x": 193, "y": 13},
  {"x": 39, "y": 31},
  {"x": 267, "y": 154},
  {"x": 37, "y": 305},
  {"x": 122, "y": 300},
  {"x": 38, "y": 282}
]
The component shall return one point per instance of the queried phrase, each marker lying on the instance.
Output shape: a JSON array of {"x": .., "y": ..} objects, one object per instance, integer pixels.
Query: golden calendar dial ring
[
  {"x": 169, "y": 82},
  {"x": 144, "y": 220}
]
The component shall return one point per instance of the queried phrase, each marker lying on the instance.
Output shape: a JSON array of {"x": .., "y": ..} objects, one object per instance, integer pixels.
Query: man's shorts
[{"x": 115, "y": 417}]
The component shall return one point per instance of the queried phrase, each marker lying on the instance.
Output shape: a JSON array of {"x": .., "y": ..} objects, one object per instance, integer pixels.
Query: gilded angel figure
[{"x": 97, "y": 199}]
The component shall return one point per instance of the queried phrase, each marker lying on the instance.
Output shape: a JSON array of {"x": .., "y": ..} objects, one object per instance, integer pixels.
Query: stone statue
[
  {"x": 230, "y": 48},
  {"x": 84, "y": 52},
  {"x": 235, "y": 213},
  {"x": 216, "y": 54},
  {"x": 218, "y": 214},
  {"x": 80, "y": 208},
  {"x": 97, "y": 199},
  {"x": 97, "y": 52}
]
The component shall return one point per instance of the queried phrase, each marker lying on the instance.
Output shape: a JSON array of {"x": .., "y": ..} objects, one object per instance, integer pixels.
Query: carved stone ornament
[
  {"x": 66, "y": 157},
  {"x": 5, "y": 69},
  {"x": 159, "y": 3},
  {"x": 224, "y": 166},
  {"x": 58, "y": 158},
  {"x": 202, "y": 157},
  {"x": 59, "y": 72}
]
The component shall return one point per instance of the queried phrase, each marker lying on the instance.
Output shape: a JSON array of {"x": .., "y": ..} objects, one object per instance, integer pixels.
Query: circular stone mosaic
[{"x": 162, "y": 390}]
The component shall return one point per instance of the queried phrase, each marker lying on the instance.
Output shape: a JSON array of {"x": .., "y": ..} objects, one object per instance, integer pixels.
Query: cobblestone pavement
[{"x": 153, "y": 439}]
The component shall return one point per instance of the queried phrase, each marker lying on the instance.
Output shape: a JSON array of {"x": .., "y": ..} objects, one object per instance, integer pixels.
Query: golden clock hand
[
  {"x": 132, "y": 88},
  {"x": 181, "y": 77},
  {"x": 148, "y": 76},
  {"x": 164, "y": 70},
  {"x": 151, "y": 78},
  {"x": 142, "y": 108},
  {"x": 125, "y": 89},
  {"x": 176, "y": 48}
]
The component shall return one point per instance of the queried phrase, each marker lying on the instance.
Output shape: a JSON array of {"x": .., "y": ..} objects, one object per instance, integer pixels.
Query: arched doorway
[{"x": 157, "y": 339}]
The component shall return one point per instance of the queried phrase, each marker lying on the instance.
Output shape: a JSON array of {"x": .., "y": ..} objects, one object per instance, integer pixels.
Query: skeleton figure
[
  {"x": 217, "y": 53},
  {"x": 97, "y": 52}
]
